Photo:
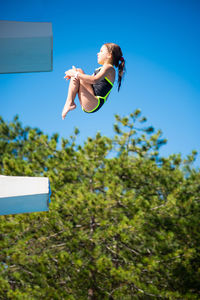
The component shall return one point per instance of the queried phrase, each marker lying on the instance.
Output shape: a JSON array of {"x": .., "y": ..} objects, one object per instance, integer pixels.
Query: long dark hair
[{"x": 118, "y": 60}]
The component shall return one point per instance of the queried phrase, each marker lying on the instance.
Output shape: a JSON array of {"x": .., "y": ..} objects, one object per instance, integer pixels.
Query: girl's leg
[
  {"x": 72, "y": 91},
  {"x": 86, "y": 95},
  {"x": 85, "y": 92}
]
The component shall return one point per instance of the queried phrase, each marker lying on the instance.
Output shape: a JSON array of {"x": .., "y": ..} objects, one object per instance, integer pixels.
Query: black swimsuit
[{"x": 101, "y": 90}]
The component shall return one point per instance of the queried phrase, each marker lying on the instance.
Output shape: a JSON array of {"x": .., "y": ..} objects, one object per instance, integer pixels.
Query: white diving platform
[
  {"x": 26, "y": 47},
  {"x": 24, "y": 194}
]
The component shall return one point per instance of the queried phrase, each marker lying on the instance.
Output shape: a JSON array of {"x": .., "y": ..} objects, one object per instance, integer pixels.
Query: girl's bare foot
[{"x": 67, "y": 108}]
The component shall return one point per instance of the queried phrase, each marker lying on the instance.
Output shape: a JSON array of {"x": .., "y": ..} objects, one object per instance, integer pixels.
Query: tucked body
[{"x": 93, "y": 90}]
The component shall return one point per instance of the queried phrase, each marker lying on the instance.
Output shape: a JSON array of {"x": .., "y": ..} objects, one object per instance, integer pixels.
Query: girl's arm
[{"x": 92, "y": 79}]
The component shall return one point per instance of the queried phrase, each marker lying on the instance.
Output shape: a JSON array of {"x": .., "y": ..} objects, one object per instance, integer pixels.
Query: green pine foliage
[{"x": 123, "y": 222}]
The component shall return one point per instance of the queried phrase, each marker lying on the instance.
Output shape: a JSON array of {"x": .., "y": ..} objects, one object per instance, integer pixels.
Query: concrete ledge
[
  {"x": 24, "y": 194},
  {"x": 25, "y": 47}
]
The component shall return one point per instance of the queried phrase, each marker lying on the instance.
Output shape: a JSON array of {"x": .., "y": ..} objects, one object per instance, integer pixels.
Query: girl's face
[{"x": 103, "y": 55}]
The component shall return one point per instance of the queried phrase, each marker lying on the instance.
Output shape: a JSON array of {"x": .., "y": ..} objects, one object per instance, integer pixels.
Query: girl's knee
[{"x": 80, "y": 70}]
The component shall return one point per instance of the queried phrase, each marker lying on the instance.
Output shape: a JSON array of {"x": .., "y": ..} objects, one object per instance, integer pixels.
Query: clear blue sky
[{"x": 160, "y": 41}]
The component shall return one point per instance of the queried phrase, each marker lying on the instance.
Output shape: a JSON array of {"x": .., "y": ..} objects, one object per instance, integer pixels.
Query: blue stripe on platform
[{"x": 24, "y": 204}]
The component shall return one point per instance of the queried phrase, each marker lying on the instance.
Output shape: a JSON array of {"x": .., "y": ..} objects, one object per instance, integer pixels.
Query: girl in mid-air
[{"x": 93, "y": 90}]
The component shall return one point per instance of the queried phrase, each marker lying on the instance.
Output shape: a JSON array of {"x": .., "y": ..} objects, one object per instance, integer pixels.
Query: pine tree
[{"x": 123, "y": 221}]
